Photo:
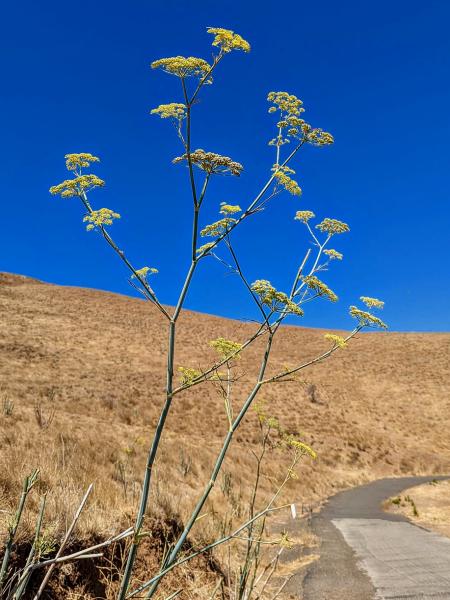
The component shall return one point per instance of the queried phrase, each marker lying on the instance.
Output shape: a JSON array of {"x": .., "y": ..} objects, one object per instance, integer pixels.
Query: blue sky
[{"x": 76, "y": 78}]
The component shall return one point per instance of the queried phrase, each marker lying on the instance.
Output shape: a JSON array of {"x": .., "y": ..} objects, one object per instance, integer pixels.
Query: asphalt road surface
[{"x": 367, "y": 554}]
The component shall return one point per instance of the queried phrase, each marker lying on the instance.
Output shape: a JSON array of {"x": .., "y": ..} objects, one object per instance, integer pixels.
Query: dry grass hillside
[{"x": 82, "y": 376}]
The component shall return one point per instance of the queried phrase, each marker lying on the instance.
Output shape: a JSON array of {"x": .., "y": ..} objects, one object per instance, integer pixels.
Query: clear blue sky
[{"x": 76, "y": 78}]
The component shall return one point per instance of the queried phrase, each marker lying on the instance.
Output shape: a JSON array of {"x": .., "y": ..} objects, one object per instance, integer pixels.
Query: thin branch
[
  {"x": 121, "y": 254},
  {"x": 24, "y": 578},
  {"x": 252, "y": 208},
  {"x": 314, "y": 360},
  {"x": 204, "y": 376},
  {"x": 205, "y": 77},
  {"x": 222, "y": 540},
  {"x": 188, "y": 144},
  {"x": 63, "y": 543},
  {"x": 246, "y": 283}
]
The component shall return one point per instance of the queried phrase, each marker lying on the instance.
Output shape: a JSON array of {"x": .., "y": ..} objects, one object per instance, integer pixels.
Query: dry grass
[
  {"x": 432, "y": 501},
  {"x": 97, "y": 361}
]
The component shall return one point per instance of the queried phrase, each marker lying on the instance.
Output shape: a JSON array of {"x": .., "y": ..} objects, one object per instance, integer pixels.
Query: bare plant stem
[
  {"x": 24, "y": 578},
  {"x": 246, "y": 568},
  {"x": 26, "y": 489},
  {"x": 63, "y": 543}
]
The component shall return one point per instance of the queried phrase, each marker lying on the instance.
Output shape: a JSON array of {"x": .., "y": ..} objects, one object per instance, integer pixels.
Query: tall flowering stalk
[{"x": 273, "y": 305}]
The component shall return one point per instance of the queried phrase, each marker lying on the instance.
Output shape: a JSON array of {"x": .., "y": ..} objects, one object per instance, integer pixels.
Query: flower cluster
[
  {"x": 229, "y": 209},
  {"x": 227, "y": 40},
  {"x": 333, "y": 254},
  {"x": 205, "y": 248},
  {"x": 304, "y": 215},
  {"x": 333, "y": 226},
  {"x": 76, "y": 186},
  {"x": 188, "y": 375},
  {"x": 336, "y": 339},
  {"x": 275, "y": 300},
  {"x": 78, "y": 161},
  {"x": 100, "y": 218},
  {"x": 286, "y": 440},
  {"x": 144, "y": 272},
  {"x": 318, "y": 286},
  {"x": 174, "y": 110},
  {"x": 299, "y": 446},
  {"x": 226, "y": 349},
  {"x": 366, "y": 319},
  {"x": 182, "y": 66},
  {"x": 282, "y": 175},
  {"x": 318, "y": 137},
  {"x": 212, "y": 163},
  {"x": 290, "y": 123},
  {"x": 372, "y": 302},
  {"x": 218, "y": 228},
  {"x": 287, "y": 104}
]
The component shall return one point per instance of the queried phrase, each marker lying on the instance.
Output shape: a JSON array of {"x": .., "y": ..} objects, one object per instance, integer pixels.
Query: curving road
[{"x": 367, "y": 554}]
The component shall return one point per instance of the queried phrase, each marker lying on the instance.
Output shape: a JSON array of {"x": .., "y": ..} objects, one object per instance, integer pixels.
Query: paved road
[{"x": 367, "y": 554}]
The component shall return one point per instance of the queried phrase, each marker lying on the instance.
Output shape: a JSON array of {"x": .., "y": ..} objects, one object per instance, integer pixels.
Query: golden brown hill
[{"x": 379, "y": 407}]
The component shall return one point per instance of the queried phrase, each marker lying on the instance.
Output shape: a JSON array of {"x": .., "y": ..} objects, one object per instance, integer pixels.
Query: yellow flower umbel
[
  {"x": 80, "y": 184},
  {"x": 182, "y": 66},
  {"x": 275, "y": 300},
  {"x": 366, "y": 319},
  {"x": 321, "y": 288},
  {"x": 229, "y": 209},
  {"x": 218, "y": 228},
  {"x": 227, "y": 40},
  {"x": 212, "y": 163},
  {"x": 332, "y": 226},
  {"x": 299, "y": 446},
  {"x": 205, "y": 248},
  {"x": 144, "y": 272},
  {"x": 226, "y": 349},
  {"x": 188, "y": 375},
  {"x": 221, "y": 226},
  {"x": 372, "y": 302},
  {"x": 288, "y": 104},
  {"x": 281, "y": 174},
  {"x": 76, "y": 186},
  {"x": 74, "y": 162},
  {"x": 318, "y": 137},
  {"x": 290, "y": 125},
  {"x": 333, "y": 254},
  {"x": 100, "y": 218},
  {"x": 337, "y": 340},
  {"x": 304, "y": 215},
  {"x": 174, "y": 110}
]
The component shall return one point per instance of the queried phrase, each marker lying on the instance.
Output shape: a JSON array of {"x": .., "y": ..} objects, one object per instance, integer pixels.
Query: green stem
[
  {"x": 169, "y": 374},
  {"x": 217, "y": 467},
  {"x": 253, "y": 206},
  {"x": 27, "y": 486},
  {"x": 188, "y": 143},
  {"x": 262, "y": 513},
  {"x": 207, "y": 548},
  {"x": 23, "y": 581},
  {"x": 149, "y": 467}
]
